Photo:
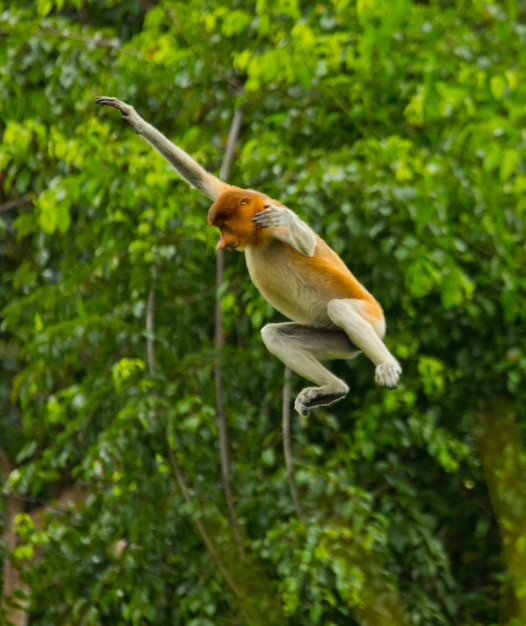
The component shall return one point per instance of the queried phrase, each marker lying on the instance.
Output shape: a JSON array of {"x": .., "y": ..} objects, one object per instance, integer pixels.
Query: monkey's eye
[{"x": 243, "y": 202}]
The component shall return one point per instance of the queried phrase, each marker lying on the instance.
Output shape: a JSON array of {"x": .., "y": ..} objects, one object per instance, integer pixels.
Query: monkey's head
[{"x": 232, "y": 213}]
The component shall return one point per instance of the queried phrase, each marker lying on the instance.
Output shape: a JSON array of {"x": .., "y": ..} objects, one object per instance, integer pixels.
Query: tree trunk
[
  {"x": 12, "y": 609},
  {"x": 504, "y": 461}
]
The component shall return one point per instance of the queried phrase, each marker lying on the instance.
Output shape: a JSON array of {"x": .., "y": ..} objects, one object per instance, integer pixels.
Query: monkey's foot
[
  {"x": 312, "y": 397},
  {"x": 387, "y": 374},
  {"x": 124, "y": 108}
]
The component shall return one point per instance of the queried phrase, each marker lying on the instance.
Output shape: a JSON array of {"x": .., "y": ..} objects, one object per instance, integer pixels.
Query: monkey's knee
[
  {"x": 270, "y": 334},
  {"x": 276, "y": 335},
  {"x": 356, "y": 315}
]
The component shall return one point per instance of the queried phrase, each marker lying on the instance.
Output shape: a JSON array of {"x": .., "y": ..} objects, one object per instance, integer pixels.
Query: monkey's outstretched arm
[
  {"x": 192, "y": 172},
  {"x": 287, "y": 227}
]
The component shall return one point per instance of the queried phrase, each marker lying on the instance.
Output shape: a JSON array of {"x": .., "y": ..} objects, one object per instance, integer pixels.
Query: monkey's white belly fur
[{"x": 300, "y": 291}]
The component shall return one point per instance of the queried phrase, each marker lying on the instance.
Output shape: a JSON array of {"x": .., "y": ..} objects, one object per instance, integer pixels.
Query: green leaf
[{"x": 498, "y": 87}]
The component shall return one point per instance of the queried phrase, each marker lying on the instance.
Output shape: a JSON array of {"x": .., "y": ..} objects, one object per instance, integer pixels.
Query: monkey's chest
[{"x": 288, "y": 286}]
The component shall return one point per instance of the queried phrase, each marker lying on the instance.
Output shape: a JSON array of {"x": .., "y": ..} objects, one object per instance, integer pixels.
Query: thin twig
[
  {"x": 150, "y": 349},
  {"x": 219, "y": 341},
  {"x": 35, "y": 501},
  {"x": 287, "y": 448},
  {"x": 198, "y": 524},
  {"x": 235, "y": 128},
  {"x": 9, "y": 205}
]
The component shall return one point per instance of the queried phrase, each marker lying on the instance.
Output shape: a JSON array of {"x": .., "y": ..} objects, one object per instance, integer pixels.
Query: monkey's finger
[
  {"x": 266, "y": 223},
  {"x": 107, "y": 100},
  {"x": 113, "y": 102},
  {"x": 262, "y": 218}
]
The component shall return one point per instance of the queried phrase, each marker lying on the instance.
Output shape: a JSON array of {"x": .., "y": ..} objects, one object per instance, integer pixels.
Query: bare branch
[
  {"x": 34, "y": 501},
  {"x": 287, "y": 448},
  {"x": 219, "y": 342},
  {"x": 9, "y": 205},
  {"x": 198, "y": 523},
  {"x": 235, "y": 128},
  {"x": 150, "y": 348},
  {"x": 5, "y": 465},
  {"x": 150, "y": 351}
]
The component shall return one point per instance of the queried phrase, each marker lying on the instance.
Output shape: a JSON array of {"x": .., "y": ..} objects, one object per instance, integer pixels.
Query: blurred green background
[{"x": 396, "y": 128}]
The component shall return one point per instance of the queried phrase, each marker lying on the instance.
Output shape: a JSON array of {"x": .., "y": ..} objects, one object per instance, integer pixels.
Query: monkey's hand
[
  {"x": 289, "y": 228},
  {"x": 124, "y": 108},
  {"x": 128, "y": 113},
  {"x": 274, "y": 215}
]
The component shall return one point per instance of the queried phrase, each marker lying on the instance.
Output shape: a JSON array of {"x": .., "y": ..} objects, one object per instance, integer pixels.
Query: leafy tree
[{"x": 396, "y": 130}]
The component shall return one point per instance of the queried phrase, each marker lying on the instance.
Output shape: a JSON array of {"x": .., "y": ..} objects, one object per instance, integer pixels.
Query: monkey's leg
[
  {"x": 346, "y": 314},
  {"x": 299, "y": 347}
]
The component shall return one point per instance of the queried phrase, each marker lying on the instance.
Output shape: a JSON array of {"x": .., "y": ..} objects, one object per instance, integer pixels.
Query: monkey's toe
[
  {"x": 388, "y": 374},
  {"x": 312, "y": 397}
]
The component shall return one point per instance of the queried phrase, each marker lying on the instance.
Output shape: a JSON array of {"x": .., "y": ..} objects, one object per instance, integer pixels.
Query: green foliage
[{"x": 396, "y": 129}]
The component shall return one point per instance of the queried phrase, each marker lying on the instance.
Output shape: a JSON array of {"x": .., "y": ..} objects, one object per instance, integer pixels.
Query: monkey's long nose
[{"x": 226, "y": 241}]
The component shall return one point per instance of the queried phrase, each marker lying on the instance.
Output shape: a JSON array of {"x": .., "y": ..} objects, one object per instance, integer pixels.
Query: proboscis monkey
[{"x": 333, "y": 315}]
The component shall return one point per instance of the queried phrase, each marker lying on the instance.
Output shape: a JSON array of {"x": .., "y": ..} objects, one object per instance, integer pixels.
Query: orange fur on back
[
  {"x": 301, "y": 287},
  {"x": 297, "y": 285}
]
